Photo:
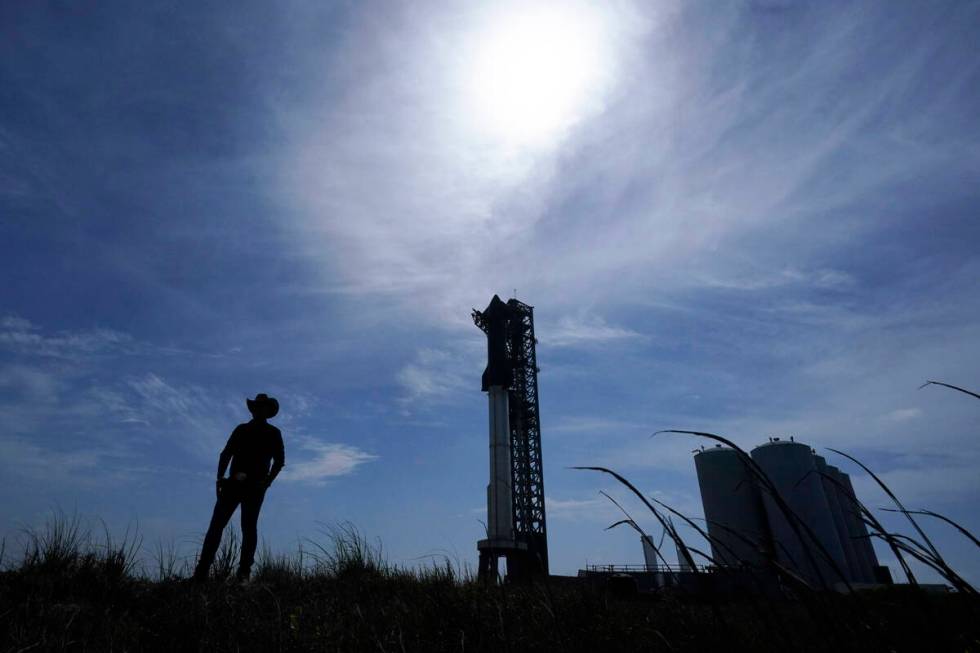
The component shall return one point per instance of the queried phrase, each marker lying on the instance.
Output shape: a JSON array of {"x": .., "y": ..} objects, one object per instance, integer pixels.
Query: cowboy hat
[{"x": 263, "y": 405}]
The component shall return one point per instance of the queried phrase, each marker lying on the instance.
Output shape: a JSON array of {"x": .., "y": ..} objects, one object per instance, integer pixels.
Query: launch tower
[{"x": 515, "y": 496}]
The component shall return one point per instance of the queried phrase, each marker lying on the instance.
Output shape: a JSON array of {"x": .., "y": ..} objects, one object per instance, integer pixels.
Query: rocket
[
  {"x": 515, "y": 495},
  {"x": 497, "y": 379}
]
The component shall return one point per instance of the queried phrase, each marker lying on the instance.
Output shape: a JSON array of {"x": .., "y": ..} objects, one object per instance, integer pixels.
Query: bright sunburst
[{"x": 536, "y": 71}]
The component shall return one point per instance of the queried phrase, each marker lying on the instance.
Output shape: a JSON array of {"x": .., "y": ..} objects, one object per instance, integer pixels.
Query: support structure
[{"x": 516, "y": 526}]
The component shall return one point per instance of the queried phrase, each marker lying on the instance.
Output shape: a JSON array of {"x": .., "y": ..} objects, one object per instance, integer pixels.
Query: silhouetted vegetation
[{"x": 71, "y": 591}]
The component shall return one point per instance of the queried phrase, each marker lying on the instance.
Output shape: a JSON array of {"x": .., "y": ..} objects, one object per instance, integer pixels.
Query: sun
[{"x": 536, "y": 71}]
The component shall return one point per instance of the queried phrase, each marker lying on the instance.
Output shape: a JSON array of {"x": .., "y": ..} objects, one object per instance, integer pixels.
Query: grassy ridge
[{"x": 70, "y": 592}]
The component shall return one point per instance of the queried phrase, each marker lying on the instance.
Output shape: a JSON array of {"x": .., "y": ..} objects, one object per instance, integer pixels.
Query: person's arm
[
  {"x": 224, "y": 458},
  {"x": 278, "y": 460}
]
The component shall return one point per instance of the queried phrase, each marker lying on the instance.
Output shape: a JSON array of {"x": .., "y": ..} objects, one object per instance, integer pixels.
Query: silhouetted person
[{"x": 251, "y": 449}]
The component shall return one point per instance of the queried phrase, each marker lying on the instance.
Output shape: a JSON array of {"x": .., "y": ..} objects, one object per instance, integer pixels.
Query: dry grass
[{"x": 74, "y": 592}]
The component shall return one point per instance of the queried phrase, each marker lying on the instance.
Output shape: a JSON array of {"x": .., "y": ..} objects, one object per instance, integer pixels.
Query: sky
[{"x": 753, "y": 218}]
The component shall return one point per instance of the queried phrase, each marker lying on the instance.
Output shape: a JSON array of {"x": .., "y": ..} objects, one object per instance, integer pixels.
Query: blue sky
[{"x": 756, "y": 218}]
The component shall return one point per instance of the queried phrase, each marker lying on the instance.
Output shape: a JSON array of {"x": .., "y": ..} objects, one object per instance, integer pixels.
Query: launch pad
[{"x": 516, "y": 528}]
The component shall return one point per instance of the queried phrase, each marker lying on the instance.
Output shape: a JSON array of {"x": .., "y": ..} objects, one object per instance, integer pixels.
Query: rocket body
[
  {"x": 500, "y": 518},
  {"x": 497, "y": 378}
]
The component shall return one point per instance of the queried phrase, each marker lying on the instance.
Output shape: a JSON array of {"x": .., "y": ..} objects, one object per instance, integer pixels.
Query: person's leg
[
  {"x": 224, "y": 508},
  {"x": 251, "y": 504}
]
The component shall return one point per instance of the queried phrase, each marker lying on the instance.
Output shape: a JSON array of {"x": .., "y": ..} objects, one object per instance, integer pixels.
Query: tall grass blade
[
  {"x": 917, "y": 551},
  {"x": 949, "y": 521},
  {"x": 891, "y": 495},
  {"x": 630, "y": 519},
  {"x": 703, "y": 533},
  {"x": 677, "y": 540},
  {"x": 952, "y": 387}
]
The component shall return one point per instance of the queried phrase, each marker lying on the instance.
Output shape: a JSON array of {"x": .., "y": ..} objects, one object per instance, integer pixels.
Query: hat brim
[{"x": 267, "y": 408}]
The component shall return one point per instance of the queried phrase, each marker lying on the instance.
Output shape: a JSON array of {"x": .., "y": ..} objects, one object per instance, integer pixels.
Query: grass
[{"x": 72, "y": 591}]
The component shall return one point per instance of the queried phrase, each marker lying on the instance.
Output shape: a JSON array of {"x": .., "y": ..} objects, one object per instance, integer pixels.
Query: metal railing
[{"x": 627, "y": 569}]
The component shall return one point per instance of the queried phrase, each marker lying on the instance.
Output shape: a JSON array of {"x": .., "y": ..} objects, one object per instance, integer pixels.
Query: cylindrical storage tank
[
  {"x": 732, "y": 502},
  {"x": 859, "y": 531},
  {"x": 682, "y": 563},
  {"x": 861, "y": 566},
  {"x": 649, "y": 553},
  {"x": 792, "y": 469},
  {"x": 831, "y": 491}
]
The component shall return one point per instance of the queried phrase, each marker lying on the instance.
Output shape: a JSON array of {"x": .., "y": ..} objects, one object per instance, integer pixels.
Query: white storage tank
[
  {"x": 832, "y": 492},
  {"x": 859, "y": 531},
  {"x": 649, "y": 553},
  {"x": 732, "y": 502},
  {"x": 682, "y": 563},
  {"x": 792, "y": 469}
]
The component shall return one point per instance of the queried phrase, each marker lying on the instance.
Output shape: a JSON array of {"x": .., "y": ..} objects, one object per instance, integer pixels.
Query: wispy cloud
[
  {"x": 902, "y": 414},
  {"x": 451, "y": 197},
  {"x": 601, "y": 509},
  {"x": 593, "y": 509},
  {"x": 22, "y": 336},
  {"x": 26, "y": 458},
  {"x": 594, "y": 425},
  {"x": 197, "y": 419},
  {"x": 584, "y": 330},
  {"x": 435, "y": 376},
  {"x": 683, "y": 175},
  {"x": 328, "y": 460},
  {"x": 760, "y": 280},
  {"x": 29, "y": 383}
]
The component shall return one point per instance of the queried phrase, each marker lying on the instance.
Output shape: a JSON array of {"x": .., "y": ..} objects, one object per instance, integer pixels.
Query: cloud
[
  {"x": 78, "y": 380},
  {"x": 14, "y": 323},
  {"x": 26, "y": 458},
  {"x": 595, "y": 509},
  {"x": 70, "y": 423},
  {"x": 762, "y": 280},
  {"x": 118, "y": 419},
  {"x": 584, "y": 331},
  {"x": 435, "y": 376},
  {"x": 395, "y": 189},
  {"x": 197, "y": 419},
  {"x": 29, "y": 384},
  {"x": 641, "y": 452},
  {"x": 699, "y": 161},
  {"x": 601, "y": 509},
  {"x": 593, "y": 425},
  {"x": 329, "y": 460},
  {"x": 22, "y": 336},
  {"x": 902, "y": 414}
]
